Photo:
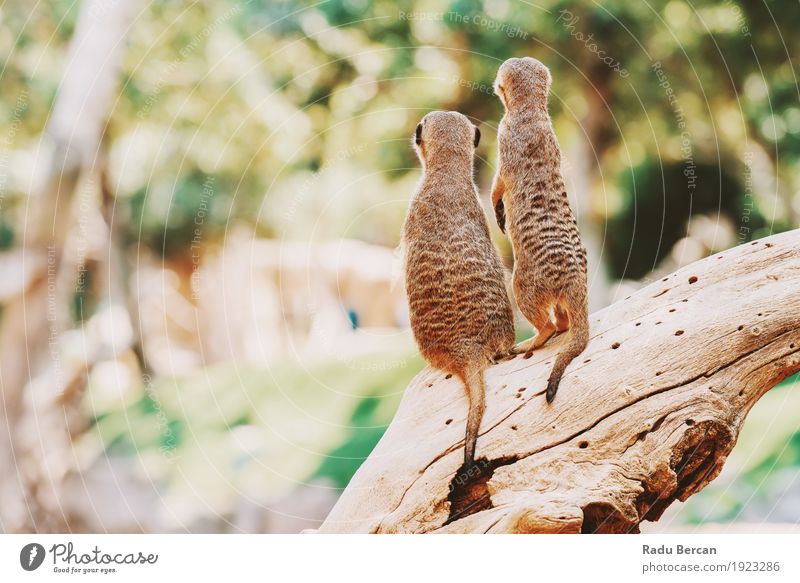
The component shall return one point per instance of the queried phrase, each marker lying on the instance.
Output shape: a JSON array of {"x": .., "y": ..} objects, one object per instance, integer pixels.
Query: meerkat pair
[{"x": 459, "y": 308}]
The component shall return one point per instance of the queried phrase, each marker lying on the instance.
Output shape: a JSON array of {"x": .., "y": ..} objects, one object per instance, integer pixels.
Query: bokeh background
[{"x": 203, "y": 326}]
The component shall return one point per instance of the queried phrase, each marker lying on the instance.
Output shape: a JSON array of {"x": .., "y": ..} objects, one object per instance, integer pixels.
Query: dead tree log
[{"x": 645, "y": 416}]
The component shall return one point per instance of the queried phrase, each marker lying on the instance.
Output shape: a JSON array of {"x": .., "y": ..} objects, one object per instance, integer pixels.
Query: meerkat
[
  {"x": 528, "y": 190},
  {"x": 459, "y": 308}
]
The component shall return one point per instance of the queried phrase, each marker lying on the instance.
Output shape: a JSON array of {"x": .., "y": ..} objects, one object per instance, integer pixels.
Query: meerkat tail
[
  {"x": 578, "y": 339},
  {"x": 475, "y": 387}
]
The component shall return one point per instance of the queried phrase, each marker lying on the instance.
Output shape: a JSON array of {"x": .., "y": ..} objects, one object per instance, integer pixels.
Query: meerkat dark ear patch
[
  {"x": 477, "y": 136},
  {"x": 418, "y": 138}
]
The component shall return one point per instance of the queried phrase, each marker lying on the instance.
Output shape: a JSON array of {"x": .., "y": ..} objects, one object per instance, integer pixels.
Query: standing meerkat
[
  {"x": 549, "y": 258},
  {"x": 459, "y": 308}
]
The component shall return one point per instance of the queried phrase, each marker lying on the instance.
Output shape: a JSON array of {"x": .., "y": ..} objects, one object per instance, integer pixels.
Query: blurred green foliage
[
  {"x": 761, "y": 479},
  {"x": 302, "y": 111},
  {"x": 237, "y": 430},
  {"x": 634, "y": 251}
]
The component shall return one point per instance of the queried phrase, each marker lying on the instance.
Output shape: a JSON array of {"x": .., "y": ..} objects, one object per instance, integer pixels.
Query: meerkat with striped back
[
  {"x": 549, "y": 281},
  {"x": 459, "y": 307}
]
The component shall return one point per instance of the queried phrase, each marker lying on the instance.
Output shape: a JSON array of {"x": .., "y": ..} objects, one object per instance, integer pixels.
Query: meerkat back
[
  {"x": 529, "y": 193},
  {"x": 459, "y": 308}
]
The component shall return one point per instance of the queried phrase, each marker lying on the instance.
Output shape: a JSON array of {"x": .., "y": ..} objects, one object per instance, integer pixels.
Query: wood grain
[{"x": 645, "y": 416}]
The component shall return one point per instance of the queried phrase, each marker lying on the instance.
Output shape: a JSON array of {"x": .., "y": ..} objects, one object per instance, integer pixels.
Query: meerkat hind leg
[
  {"x": 543, "y": 334},
  {"x": 562, "y": 318}
]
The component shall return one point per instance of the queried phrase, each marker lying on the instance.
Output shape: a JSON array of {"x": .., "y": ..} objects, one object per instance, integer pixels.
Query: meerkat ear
[
  {"x": 477, "y": 136},
  {"x": 418, "y": 138}
]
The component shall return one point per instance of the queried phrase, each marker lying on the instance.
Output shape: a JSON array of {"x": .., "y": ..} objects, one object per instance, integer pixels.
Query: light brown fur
[
  {"x": 549, "y": 258},
  {"x": 460, "y": 312}
]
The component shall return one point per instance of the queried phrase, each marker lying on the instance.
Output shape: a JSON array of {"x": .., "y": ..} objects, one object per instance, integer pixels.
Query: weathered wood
[{"x": 647, "y": 415}]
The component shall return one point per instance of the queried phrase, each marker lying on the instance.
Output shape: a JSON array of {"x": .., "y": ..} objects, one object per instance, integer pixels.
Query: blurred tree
[{"x": 40, "y": 393}]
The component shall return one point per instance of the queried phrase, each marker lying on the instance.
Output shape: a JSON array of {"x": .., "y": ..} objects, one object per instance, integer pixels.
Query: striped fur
[
  {"x": 529, "y": 193},
  {"x": 460, "y": 312}
]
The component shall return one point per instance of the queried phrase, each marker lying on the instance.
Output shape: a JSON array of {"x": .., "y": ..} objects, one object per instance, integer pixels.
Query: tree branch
[{"x": 645, "y": 416}]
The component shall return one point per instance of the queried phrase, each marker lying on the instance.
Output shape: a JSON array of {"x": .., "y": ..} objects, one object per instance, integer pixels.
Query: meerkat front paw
[{"x": 500, "y": 215}]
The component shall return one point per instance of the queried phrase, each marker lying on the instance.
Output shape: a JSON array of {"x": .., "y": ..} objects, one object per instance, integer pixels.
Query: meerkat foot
[{"x": 524, "y": 347}]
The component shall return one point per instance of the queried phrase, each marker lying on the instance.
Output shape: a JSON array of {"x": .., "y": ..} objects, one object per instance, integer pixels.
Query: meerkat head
[
  {"x": 445, "y": 135},
  {"x": 521, "y": 81}
]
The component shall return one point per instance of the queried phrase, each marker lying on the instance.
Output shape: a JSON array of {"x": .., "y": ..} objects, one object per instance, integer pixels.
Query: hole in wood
[
  {"x": 615, "y": 346},
  {"x": 690, "y": 422},
  {"x": 638, "y": 323},
  {"x": 601, "y": 517},
  {"x": 678, "y": 332},
  {"x": 513, "y": 428},
  {"x": 448, "y": 377},
  {"x": 657, "y": 425},
  {"x": 468, "y": 491},
  {"x": 693, "y": 279},
  {"x": 740, "y": 328},
  {"x": 583, "y": 444},
  {"x": 448, "y": 422}
]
